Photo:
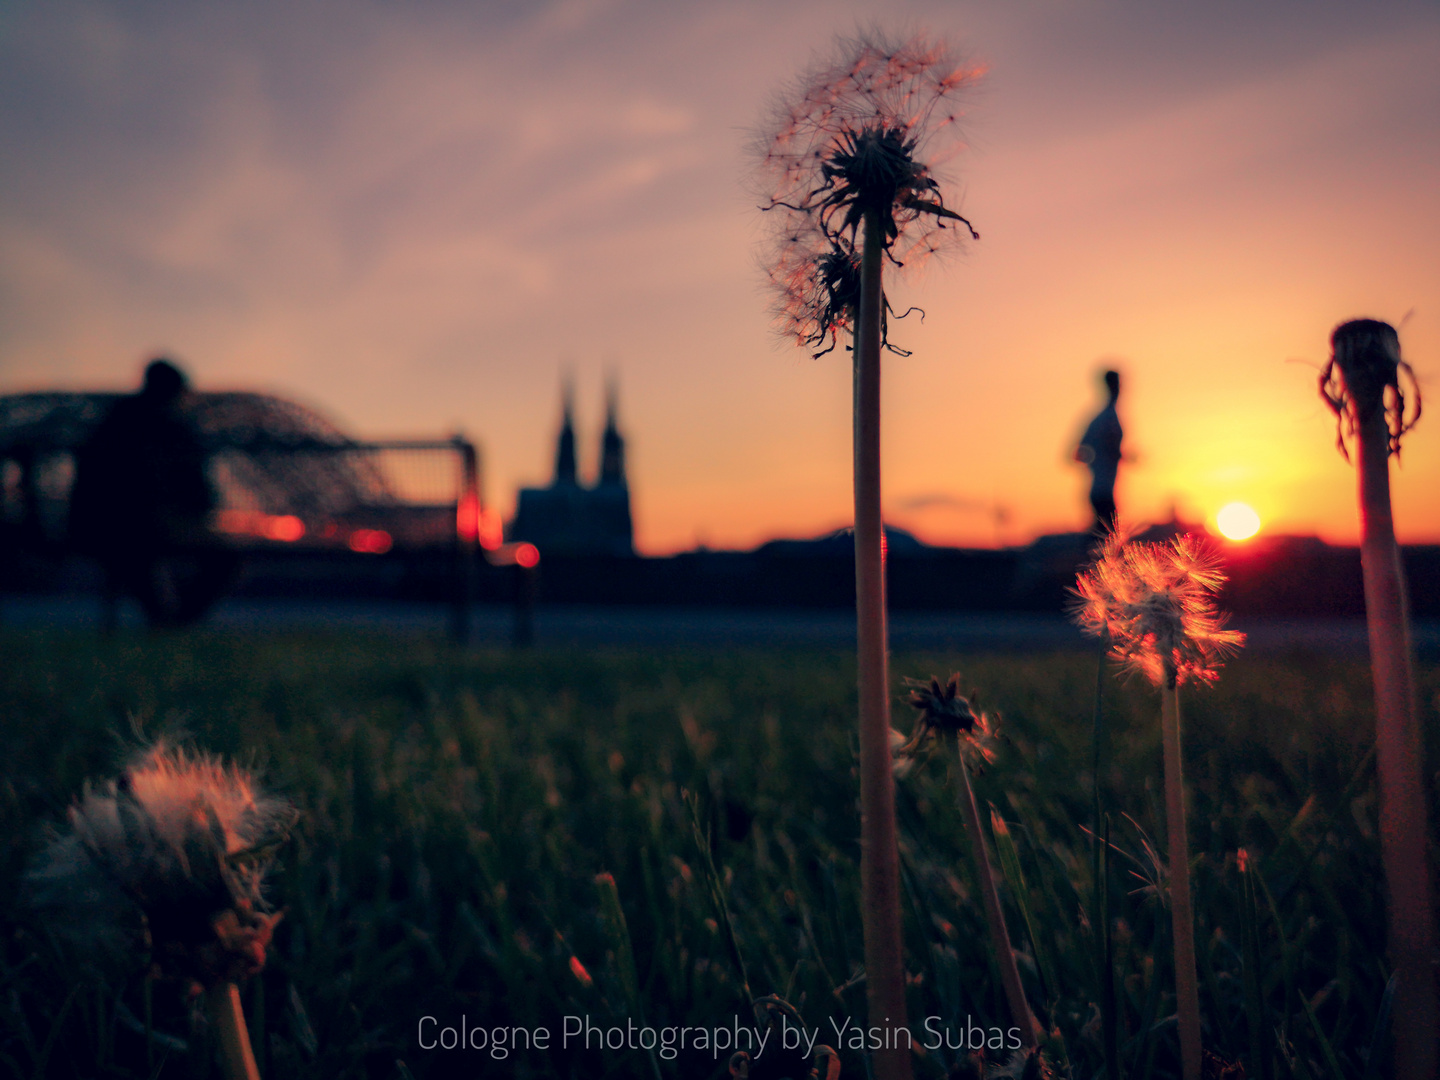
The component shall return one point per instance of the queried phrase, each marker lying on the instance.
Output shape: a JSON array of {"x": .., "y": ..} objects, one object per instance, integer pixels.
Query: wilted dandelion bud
[
  {"x": 1363, "y": 377},
  {"x": 944, "y": 711},
  {"x": 944, "y": 708},
  {"x": 1030, "y": 1064},
  {"x": 778, "y": 1061},
  {"x": 167, "y": 860},
  {"x": 1156, "y": 603}
]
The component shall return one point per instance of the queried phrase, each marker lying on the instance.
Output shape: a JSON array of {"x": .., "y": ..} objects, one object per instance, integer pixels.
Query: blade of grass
[
  {"x": 806, "y": 921},
  {"x": 617, "y": 934},
  {"x": 1325, "y": 1048},
  {"x": 42, "y": 1062},
  {"x": 1097, "y": 736},
  {"x": 1147, "y": 1046},
  {"x": 1105, "y": 952},
  {"x": 1290, "y": 837},
  {"x": 612, "y": 916},
  {"x": 1257, "y": 1024},
  {"x": 717, "y": 893},
  {"x": 1015, "y": 878},
  {"x": 1217, "y": 1007},
  {"x": 1287, "y": 965},
  {"x": 1375, "y": 1053}
]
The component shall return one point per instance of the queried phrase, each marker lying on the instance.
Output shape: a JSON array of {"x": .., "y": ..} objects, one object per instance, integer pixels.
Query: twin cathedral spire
[
  {"x": 612, "y": 443},
  {"x": 568, "y": 518}
]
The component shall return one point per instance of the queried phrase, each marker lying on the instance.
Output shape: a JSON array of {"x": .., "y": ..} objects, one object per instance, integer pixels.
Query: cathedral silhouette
[{"x": 568, "y": 518}]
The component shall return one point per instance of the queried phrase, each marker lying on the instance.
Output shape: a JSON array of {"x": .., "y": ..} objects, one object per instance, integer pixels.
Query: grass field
[{"x": 464, "y": 815}]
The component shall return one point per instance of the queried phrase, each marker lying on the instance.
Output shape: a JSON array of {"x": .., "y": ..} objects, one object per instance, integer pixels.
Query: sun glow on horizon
[{"x": 1237, "y": 521}]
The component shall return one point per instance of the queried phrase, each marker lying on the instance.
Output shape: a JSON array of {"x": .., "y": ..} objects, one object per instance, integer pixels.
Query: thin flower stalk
[
  {"x": 1004, "y": 953},
  {"x": 847, "y": 163},
  {"x": 1156, "y": 603},
  {"x": 167, "y": 862},
  {"x": 237, "y": 1058},
  {"x": 1182, "y": 916},
  {"x": 879, "y": 845},
  {"x": 946, "y": 714},
  {"x": 1362, "y": 384}
]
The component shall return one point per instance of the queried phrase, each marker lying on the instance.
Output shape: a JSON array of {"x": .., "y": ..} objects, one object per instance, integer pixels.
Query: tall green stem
[
  {"x": 1020, "y": 1012},
  {"x": 1187, "y": 991},
  {"x": 879, "y": 851},
  {"x": 1399, "y": 763}
]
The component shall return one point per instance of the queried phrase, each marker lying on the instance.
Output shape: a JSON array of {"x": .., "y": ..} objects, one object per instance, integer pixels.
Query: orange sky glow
[{"x": 419, "y": 217}]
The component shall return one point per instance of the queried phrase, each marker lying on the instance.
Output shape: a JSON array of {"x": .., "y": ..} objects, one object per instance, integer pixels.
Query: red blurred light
[
  {"x": 286, "y": 527},
  {"x": 467, "y": 517},
  {"x": 234, "y": 521},
  {"x": 527, "y": 555},
  {"x": 370, "y": 541},
  {"x": 492, "y": 533}
]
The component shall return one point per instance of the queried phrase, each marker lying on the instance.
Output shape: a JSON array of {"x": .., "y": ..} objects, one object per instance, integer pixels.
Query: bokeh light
[{"x": 370, "y": 541}]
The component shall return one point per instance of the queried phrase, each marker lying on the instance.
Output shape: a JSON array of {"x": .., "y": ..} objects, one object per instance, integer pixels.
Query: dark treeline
[{"x": 1299, "y": 577}]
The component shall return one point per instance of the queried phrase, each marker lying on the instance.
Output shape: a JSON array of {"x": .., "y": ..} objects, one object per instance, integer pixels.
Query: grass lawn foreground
[{"x": 643, "y": 841}]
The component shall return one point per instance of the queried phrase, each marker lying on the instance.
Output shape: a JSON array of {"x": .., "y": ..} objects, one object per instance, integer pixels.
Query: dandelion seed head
[
  {"x": 169, "y": 858},
  {"x": 861, "y": 132},
  {"x": 1156, "y": 603}
]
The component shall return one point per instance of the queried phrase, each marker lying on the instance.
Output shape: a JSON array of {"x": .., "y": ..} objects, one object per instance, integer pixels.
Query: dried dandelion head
[
  {"x": 774, "y": 1014},
  {"x": 1363, "y": 377},
  {"x": 1156, "y": 603},
  {"x": 168, "y": 859},
  {"x": 1025, "y": 1064},
  {"x": 816, "y": 284},
  {"x": 859, "y": 134},
  {"x": 816, "y": 281},
  {"x": 946, "y": 713}
]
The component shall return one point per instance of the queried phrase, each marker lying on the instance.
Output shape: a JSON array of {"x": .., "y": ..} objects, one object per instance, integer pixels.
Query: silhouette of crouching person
[{"x": 141, "y": 505}]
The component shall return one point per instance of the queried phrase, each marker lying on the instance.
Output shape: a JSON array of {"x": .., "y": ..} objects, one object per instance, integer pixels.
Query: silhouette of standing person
[
  {"x": 142, "y": 500},
  {"x": 1100, "y": 450}
]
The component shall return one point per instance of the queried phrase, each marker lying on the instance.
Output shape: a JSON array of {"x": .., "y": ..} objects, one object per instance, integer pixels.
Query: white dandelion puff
[
  {"x": 167, "y": 859},
  {"x": 1156, "y": 602}
]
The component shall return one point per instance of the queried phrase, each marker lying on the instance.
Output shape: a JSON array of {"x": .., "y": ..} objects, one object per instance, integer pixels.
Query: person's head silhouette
[
  {"x": 164, "y": 382},
  {"x": 1112, "y": 384}
]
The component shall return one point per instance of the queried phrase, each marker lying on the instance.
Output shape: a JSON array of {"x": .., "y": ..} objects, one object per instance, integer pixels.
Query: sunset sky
[{"x": 416, "y": 217}]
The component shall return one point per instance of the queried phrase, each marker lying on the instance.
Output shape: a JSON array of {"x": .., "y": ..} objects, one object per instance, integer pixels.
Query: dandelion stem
[
  {"x": 1400, "y": 753},
  {"x": 994, "y": 915},
  {"x": 879, "y": 852},
  {"x": 1187, "y": 991},
  {"x": 237, "y": 1061}
]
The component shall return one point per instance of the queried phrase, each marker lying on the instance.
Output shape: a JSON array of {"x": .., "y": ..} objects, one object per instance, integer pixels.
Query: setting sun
[{"x": 1237, "y": 521}]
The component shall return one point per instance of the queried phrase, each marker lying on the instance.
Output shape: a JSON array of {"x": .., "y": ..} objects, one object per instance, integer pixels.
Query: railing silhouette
[{"x": 285, "y": 480}]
